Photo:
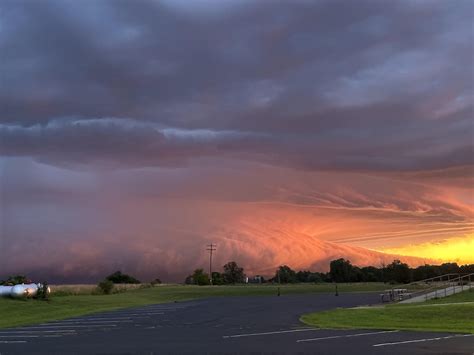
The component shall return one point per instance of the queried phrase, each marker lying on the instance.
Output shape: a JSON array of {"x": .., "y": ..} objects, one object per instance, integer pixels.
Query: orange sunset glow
[{"x": 459, "y": 250}]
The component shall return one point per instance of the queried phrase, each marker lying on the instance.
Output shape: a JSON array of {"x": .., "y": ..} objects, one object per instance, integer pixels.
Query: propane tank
[
  {"x": 5, "y": 290},
  {"x": 21, "y": 290}
]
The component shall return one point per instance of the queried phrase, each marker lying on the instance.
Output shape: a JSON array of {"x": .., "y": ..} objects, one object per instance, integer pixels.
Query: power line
[{"x": 211, "y": 248}]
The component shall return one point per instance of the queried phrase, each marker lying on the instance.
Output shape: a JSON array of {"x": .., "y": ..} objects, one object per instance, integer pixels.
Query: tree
[
  {"x": 285, "y": 274},
  {"x": 233, "y": 273},
  {"x": 217, "y": 278},
  {"x": 199, "y": 277},
  {"x": 316, "y": 277},
  {"x": 356, "y": 274},
  {"x": 398, "y": 272},
  {"x": 448, "y": 268},
  {"x": 340, "y": 270},
  {"x": 424, "y": 272},
  {"x": 119, "y": 278},
  {"x": 303, "y": 276},
  {"x": 371, "y": 274}
]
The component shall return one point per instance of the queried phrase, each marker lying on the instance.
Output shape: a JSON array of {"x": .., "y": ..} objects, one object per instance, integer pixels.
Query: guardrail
[
  {"x": 435, "y": 284},
  {"x": 442, "y": 284}
]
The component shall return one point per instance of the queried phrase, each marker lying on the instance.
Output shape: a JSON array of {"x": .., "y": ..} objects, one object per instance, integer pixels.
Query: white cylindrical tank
[
  {"x": 5, "y": 290},
  {"x": 18, "y": 291},
  {"x": 21, "y": 290}
]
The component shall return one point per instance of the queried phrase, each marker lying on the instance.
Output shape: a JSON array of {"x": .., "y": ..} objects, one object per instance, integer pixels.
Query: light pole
[{"x": 210, "y": 248}]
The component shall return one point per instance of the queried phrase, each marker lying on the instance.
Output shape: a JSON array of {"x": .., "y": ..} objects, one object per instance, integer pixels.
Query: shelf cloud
[{"x": 306, "y": 112}]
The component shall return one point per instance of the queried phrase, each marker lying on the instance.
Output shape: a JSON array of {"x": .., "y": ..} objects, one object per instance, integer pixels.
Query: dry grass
[{"x": 88, "y": 289}]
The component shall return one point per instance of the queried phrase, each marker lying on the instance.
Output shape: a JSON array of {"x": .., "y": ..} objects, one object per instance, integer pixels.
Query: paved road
[{"x": 234, "y": 325}]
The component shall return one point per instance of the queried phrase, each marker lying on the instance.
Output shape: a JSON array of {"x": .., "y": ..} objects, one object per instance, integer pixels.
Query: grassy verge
[
  {"x": 21, "y": 312},
  {"x": 451, "y": 314}
]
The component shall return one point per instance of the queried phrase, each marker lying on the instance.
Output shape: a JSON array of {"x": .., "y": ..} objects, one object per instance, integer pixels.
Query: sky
[{"x": 133, "y": 133}]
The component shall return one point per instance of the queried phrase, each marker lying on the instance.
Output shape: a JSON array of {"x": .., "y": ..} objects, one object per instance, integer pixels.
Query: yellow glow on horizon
[{"x": 459, "y": 250}]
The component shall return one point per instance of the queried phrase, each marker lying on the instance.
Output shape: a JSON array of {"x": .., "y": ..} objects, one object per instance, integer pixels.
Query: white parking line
[
  {"x": 141, "y": 314},
  {"x": 270, "y": 333},
  {"x": 162, "y": 309},
  {"x": 37, "y": 331},
  {"x": 425, "y": 339},
  {"x": 90, "y": 323},
  {"x": 19, "y": 336},
  {"x": 346, "y": 336},
  {"x": 70, "y": 326},
  {"x": 12, "y": 341},
  {"x": 95, "y": 319}
]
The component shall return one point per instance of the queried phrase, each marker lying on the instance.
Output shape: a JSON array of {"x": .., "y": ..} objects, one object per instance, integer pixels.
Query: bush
[
  {"x": 189, "y": 280},
  {"x": 106, "y": 287},
  {"x": 43, "y": 291},
  {"x": 217, "y": 278},
  {"x": 15, "y": 280},
  {"x": 199, "y": 277},
  {"x": 156, "y": 281},
  {"x": 119, "y": 278}
]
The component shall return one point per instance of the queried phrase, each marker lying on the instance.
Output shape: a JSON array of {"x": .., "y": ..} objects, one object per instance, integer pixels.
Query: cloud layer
[
  {"x": 312, "y": 85},
  {"x": 134, "y": 132}
]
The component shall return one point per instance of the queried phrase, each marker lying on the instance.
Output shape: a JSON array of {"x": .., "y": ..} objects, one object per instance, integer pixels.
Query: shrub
[
  {"x": 199, "y": 277},
  {"x": 106, "y": 287},
  {"x": 119, "y": 278},
  {"x": 43, "y": 291},
  {"x": 15, "y": 280},
  {"x": 156, "y": 281},
  {"x": 189, "y": 280}
]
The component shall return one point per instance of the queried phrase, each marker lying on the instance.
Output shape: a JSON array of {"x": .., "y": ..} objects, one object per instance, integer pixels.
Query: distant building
[{"x": 257, "y": 279}]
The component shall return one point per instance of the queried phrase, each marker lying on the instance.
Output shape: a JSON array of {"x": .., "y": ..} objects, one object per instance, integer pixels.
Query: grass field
[
  {"x": 88, "y": 289},
  {"x": 451, "y": 314},
  {"x": 62, "y": 305}
]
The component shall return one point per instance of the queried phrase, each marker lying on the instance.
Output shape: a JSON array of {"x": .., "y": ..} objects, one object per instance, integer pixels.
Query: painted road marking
[
  {"x": 269, "y": 333},
  {"x": 95, "y": 319},
  {"x": 36, "y": 331},
  {"x": 91, "y": 322},
  {"x": 31, "y": 336},
  {"x": 19, "y": 336},
  {"x": 425, "y": 339},
  {"x": 142, "y": 314},
  {"x": 12, "y": 341},
  {"x": 346, "y": 336},
  {"x": 70, "y": 326}
]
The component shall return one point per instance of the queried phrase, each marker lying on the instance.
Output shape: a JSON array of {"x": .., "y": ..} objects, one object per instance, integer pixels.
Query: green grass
[
  {"x": 451, "y": 314},
  {"x": 22, "y": 312},
  {"x": 465, "y": 296}
]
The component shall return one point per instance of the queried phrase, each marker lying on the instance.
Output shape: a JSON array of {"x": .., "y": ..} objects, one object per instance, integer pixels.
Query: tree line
[
  {"x": 340, "y": 270},
  {"x": 231, "y": 274}
]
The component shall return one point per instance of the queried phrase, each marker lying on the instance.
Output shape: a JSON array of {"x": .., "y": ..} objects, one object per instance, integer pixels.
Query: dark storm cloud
[{"x": 333, "y": 85}]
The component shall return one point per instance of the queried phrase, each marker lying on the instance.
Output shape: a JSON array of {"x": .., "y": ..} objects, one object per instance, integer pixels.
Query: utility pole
[{"x": 210, "y": 248}]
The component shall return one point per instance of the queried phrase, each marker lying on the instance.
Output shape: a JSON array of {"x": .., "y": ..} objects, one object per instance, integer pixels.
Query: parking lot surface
[{"x": 230, "y": 325}]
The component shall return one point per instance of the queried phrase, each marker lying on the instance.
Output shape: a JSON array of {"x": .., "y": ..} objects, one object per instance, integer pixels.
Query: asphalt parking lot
[{"x": 232, "y": 325}]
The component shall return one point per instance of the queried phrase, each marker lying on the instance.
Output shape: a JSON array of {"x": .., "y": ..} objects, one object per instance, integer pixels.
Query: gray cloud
[
  {"x": 125, "y": 143},
  {"x": 343, "y": 85}
]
